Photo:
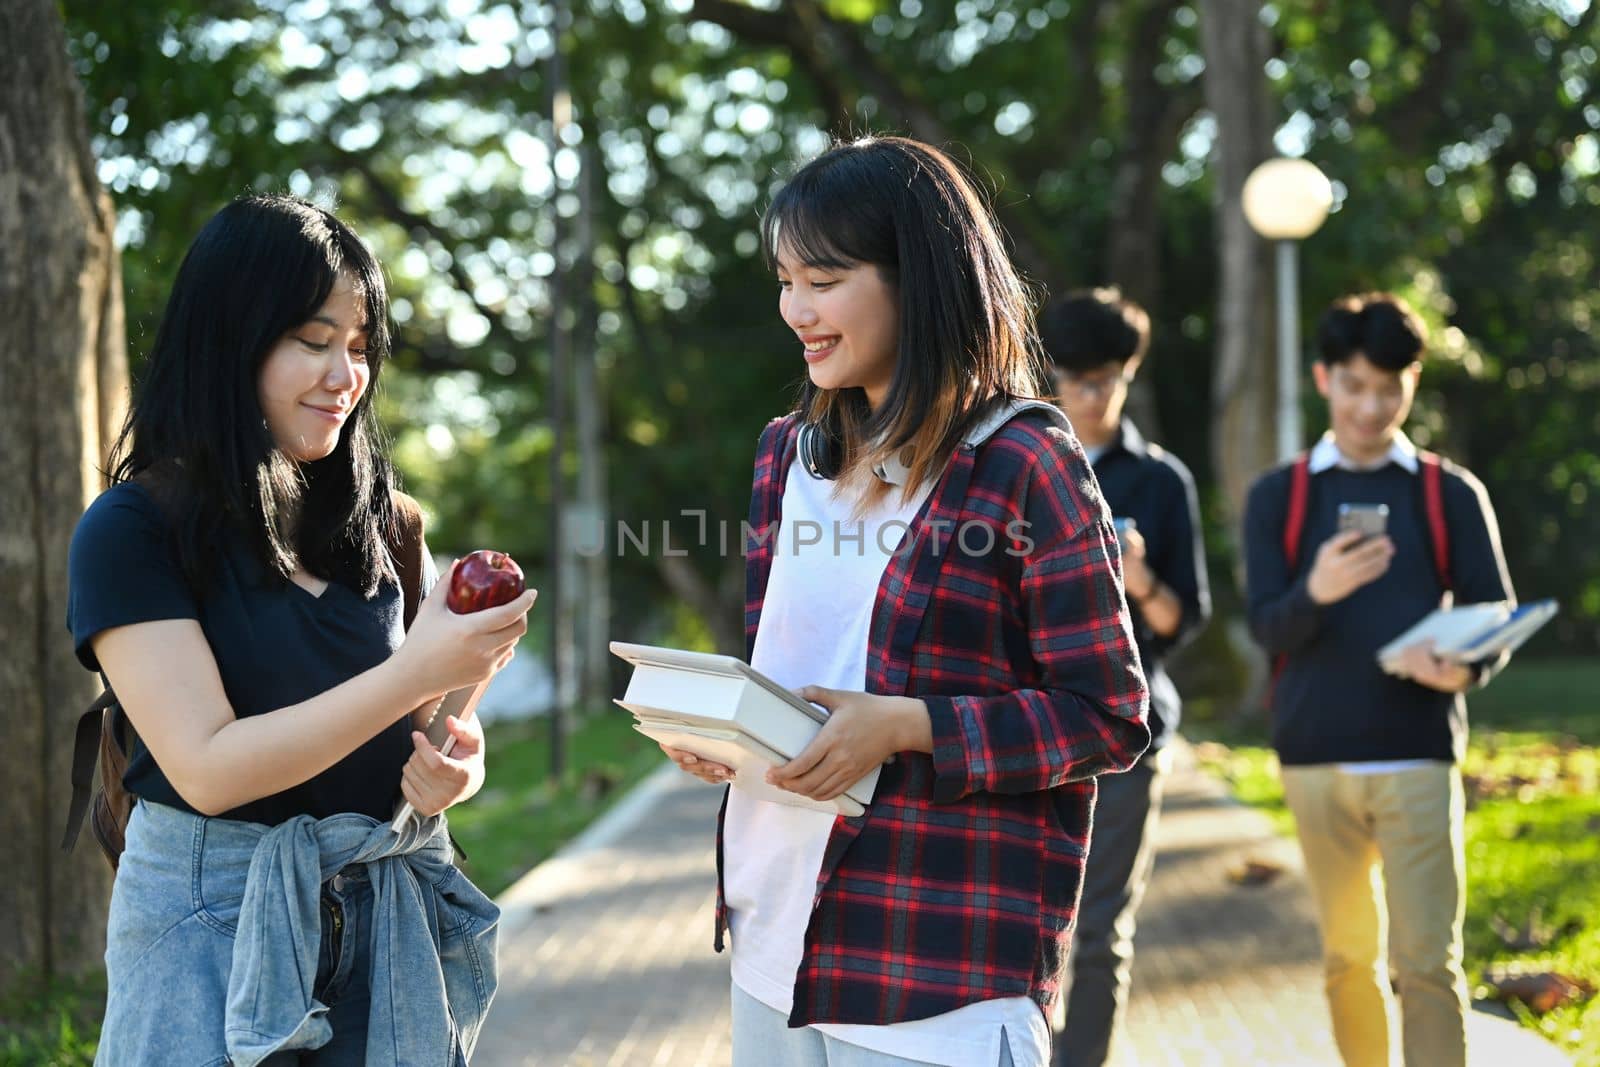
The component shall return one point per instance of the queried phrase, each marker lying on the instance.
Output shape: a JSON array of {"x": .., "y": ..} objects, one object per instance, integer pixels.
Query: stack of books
[
  {"x": 1472, "y": 633},
  {"x": 723, "y": 710}
]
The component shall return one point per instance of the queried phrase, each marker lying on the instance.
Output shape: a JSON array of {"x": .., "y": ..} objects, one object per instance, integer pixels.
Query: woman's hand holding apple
[{"x": 446, "y": 650}]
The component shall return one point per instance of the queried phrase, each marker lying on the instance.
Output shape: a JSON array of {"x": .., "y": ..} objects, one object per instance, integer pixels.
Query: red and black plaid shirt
[{"x": 959, "y": 883}]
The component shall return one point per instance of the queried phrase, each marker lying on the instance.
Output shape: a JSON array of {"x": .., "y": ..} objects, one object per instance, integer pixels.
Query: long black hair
[
  {"x": 966, "y": 332},
  {"x": 195, "y": 433}
]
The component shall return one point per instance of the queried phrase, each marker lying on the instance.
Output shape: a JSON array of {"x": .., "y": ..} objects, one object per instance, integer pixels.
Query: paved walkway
[{"x": 606, "y": 959}]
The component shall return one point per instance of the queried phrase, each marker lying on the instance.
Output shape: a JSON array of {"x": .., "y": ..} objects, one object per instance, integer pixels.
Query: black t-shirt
[
  {"x": 275, "y": 645},
  {"x": 1151, "y": 486}
]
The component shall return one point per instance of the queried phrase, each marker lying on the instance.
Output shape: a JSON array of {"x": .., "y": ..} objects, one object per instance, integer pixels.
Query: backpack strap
[
  {"x": 1294, "y": 523},
  {"x": 85, "y": 751},
  {"x": 999, "y": 413},
  {"x": 405, "y": 549},
  {"x": 1294, "y": 528},
  {"x": 113, "y": 805},
  {"x": 404, "y": 541},
  {"x": 1432, "y": 471}
]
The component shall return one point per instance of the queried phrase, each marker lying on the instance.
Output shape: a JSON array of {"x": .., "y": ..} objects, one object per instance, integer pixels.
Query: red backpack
[{"x": 1294, "y": 525}]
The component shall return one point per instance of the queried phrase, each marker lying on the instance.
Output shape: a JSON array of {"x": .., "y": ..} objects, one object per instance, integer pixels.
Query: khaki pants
[{"x": 1386, "y": 850}]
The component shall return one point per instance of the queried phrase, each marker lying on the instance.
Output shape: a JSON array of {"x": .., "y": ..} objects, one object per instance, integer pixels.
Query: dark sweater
[
  {"x": 1332, "y": 703},
  {"x": 1149, "y": 485}
]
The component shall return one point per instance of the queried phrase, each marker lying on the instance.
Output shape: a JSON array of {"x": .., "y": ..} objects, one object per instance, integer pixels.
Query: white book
[
  {"x": 723, "y": 710},
  {"x": 1472, "y": 633}
]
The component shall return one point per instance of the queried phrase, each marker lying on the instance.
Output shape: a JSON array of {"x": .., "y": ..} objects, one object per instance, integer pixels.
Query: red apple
[{"x": 484, "y": 579}]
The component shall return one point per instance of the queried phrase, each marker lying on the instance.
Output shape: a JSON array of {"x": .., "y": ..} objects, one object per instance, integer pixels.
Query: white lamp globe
[{"x": 1287, "y": 199}]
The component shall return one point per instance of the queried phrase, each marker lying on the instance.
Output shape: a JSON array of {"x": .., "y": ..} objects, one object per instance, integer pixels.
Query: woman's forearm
[{"x": 257, "y": 756}]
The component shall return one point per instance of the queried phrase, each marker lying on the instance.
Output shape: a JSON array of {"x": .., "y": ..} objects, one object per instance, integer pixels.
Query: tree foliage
[{"x": 1460, "y": 132}]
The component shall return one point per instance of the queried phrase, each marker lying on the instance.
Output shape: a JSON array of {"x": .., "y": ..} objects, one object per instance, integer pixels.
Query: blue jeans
[
  {"x": 762, "y": 1036},
  {"x": 343, "y": 971}
]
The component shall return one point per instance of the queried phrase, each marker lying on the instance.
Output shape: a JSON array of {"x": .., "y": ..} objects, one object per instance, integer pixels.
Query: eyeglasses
[{"x": 1085, "y": 386}]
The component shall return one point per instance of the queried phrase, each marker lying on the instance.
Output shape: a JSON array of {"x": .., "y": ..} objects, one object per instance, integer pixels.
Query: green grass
[
  {"x": 54, "y": 1027},
  {"x": 1533, "y": 827},
  {"x": 1546, "y": 696},
  {"x": 521, "y": 816},
  {"x": 1251, "y": 772},
  {"x": 1542, "y": 853}
]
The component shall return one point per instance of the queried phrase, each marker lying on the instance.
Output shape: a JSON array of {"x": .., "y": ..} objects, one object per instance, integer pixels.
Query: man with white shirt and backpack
[{"x": 1370, "y": 758}]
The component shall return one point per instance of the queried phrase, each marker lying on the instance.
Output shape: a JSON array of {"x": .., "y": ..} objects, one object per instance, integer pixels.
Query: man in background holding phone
[
  {"x": 1370, "y": 760},
  {"x": 1096, "y": 340}
]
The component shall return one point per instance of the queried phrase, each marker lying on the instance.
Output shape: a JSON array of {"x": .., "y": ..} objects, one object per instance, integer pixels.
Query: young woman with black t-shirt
[{"x": 238, "y": 587}]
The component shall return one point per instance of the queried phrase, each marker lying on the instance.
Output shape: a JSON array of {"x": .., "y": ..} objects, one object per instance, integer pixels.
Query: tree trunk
[
  {"x": 1244, "y": 375},
  {"x": 1243, "y": 380},
  {"x": 1155, "y": 114},
  {"x": 63, "y": 381}
]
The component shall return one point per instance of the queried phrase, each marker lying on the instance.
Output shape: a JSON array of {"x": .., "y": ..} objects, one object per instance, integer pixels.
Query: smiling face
[
  {"x": 847, "y": 320},
  {"x": 315, "y": 375},
  {"x": 1367, "y": 405}
]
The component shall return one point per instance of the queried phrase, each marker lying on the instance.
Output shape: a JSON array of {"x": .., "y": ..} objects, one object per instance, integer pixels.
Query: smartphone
[
  {"x": 1370, "y": 520},
  {"x": 1122, "y": 526}
]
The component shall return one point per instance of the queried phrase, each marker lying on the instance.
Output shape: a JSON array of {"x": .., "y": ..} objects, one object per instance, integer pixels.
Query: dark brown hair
[
  {"x": 1380, "y": 326},
  {"x": 966, "y": 334},
  {"x": 1087, "y": 329}
]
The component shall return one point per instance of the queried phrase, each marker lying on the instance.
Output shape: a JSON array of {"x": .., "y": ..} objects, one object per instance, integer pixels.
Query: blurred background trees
[
  {"x": 1461, "y": 135},
  {"x": 614, "y": 257}
]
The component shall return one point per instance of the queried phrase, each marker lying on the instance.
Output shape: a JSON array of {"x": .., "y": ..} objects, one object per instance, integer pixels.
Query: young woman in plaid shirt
[{"x": 940, "y": 572}]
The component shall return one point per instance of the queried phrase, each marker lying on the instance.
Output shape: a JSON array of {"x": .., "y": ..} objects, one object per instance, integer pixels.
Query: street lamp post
[
  {"x": 1286, "y": 200},
  {"x": 555, "y": 583}
]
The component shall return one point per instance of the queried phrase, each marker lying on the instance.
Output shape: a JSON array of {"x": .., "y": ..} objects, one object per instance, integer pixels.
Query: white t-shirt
[{"x": 826, "y": 567}]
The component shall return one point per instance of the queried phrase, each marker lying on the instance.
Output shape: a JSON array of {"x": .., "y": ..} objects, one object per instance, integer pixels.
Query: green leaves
[{"x": 1462, "y": 134}]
